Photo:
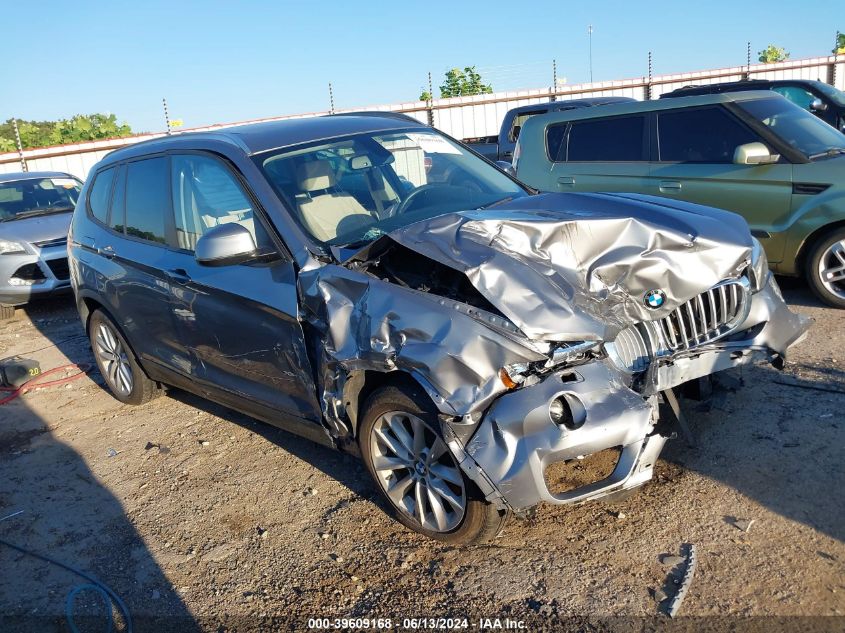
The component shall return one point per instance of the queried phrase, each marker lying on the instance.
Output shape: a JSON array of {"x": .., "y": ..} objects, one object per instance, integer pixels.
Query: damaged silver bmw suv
[{"x": 369, "y": 283}]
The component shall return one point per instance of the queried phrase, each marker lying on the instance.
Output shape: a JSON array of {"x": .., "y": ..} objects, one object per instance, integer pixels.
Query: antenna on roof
[{"x": 331, "y": 99}]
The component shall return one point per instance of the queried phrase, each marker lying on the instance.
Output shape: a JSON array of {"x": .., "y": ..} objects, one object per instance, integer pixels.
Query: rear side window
[
  {"x": 118, "y": 203},
  {"x": 100, "y": 196},
  {"x": 700, "y": 135},
  {"x": 147, "y": 199},
  {"x": 620, "y": 139}
]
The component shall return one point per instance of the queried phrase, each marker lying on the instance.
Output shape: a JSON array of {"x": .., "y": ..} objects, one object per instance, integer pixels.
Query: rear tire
[
  {"x": 825, "y": 269},
  {"x": 116, "y": 361},
  {"x": 403, "y": 449}
]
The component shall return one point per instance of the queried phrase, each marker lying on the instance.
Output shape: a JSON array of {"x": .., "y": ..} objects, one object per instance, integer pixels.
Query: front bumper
[
  {"x": 517, "y": 441},
  {"x": 26, "y": 276}
]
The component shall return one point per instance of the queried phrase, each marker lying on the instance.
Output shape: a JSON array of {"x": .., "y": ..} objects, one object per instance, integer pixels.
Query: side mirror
[
  {"x": 225, "y": 245},
  {"x": 817, "y": 105},
  {"x": 754, "y": 154},
  {"x": 506, "y": 167}
]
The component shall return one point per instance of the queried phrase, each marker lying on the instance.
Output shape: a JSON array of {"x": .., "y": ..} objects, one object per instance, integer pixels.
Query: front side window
[
  {"x": 800, "y": 97},
  {"x": 701, "y": 135},
  {"x": 803, "y": 131},
  {"x": 30, "y": 197},
  {"x": 619, "y": 139},
  {"x": 147, "y": 199},
  {"x": 100, "y": 196},
  {"x": 353, "y": 189},
  {"x": 206, "y": 194}
]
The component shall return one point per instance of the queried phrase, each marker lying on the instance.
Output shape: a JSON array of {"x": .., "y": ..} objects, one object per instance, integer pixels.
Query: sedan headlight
[
  {"x": 759, "y": 273},
  {"x": 11, "y": 248}
]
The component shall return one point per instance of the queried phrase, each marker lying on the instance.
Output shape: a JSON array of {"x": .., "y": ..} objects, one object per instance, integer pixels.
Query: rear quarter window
[{"x": 100, "y": 196}]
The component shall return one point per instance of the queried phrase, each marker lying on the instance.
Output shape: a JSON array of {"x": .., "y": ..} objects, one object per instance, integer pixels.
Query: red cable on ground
[{"x": 35, "y": 383}]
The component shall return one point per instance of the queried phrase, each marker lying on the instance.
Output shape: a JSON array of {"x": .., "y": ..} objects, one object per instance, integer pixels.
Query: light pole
[{"x": 590, "y": 36}]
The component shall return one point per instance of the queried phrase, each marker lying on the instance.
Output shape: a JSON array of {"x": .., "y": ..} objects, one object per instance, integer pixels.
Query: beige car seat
[{"x": 324, "y": 211}]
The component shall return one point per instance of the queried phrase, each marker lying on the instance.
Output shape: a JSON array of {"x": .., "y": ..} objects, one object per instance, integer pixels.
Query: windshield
[
  {"x": 835, "y": 95},
  {"x": 37, "y": 196},
  {"x": 353, "y": 189},
  {"x": 803, "y": 131}
]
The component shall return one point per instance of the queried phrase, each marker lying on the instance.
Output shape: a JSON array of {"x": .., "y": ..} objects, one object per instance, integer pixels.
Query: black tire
[
  {"x": 140, "y": 388},
  {"x": 821, "y": 287},
  {"x": 480, "y": 521},
  {"x": 7, "y": 313}
]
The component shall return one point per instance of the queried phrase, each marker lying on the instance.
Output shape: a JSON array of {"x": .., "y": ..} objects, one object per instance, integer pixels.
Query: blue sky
[{"x": 229, "y": 61}]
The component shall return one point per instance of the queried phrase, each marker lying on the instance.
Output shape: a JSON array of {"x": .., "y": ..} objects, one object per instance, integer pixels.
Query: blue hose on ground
[{"x": 95, "y": 585}]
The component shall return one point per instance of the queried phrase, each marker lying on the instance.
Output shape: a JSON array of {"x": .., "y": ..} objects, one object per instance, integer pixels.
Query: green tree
[
  {"x": 840, "y": 44},
  {"x": 772, "y": 54},
  {"x": 79, "y": 128},
  {"x": 425, "y": 95},
  {"x": 462, "y": 83}
]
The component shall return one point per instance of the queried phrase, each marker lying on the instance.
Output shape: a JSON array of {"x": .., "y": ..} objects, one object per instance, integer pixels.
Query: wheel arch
[
  {"x": 811, "y": 240},
  {"x": 361, "y": 383}
]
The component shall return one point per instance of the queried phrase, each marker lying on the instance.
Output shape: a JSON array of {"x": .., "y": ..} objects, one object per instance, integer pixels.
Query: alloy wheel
[
  {"x": 113, "y": 360},
  {"x": 417, "y": 471}
]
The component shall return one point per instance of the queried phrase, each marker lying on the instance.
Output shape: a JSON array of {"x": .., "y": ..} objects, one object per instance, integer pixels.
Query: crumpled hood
[{"x": 577, "y": 266}]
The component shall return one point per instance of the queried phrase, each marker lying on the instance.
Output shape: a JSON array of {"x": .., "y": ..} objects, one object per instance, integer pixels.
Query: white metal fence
[{"x": 465, "y": 117}]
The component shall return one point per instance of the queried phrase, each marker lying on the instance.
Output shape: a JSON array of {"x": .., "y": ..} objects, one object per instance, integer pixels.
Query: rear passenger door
[
  {"x": 694, "y": 162},
  {"x": 136, "y": 254},
  {"x": 599, "y": 154},
  {"x": 239, "y": 322}
]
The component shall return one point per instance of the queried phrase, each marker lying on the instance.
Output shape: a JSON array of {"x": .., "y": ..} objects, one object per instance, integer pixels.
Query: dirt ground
[{"x": 200, "y": 518}]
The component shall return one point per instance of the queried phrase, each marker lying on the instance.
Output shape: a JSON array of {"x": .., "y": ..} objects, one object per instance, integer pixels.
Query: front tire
[
  {"x": 825, "y": 268},
  {"x": 116, "y": 362},
  {"x": 404, "y": 451}
]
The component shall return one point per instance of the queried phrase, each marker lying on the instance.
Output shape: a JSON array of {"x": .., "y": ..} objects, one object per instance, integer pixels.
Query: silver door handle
[
  {"x": 670, "y": 185},
  {"x": 566, "y": 180}
]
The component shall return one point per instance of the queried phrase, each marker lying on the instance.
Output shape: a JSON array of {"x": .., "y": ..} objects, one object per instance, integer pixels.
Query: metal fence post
[
  {"x": 19, "y": 144},
  {"x": 430, "y": 103},
  {"x": 747, "y": 60},
  {"x": 166, "y": 115}
]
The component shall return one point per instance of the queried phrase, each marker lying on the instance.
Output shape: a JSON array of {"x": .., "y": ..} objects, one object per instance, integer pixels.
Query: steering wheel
[{"x": 403, "y": 206}]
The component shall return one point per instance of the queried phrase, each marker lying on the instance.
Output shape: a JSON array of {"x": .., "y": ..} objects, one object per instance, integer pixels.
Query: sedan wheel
[
  {"x": 114, "y": 360},
  {"x": 417, "y": 471}
]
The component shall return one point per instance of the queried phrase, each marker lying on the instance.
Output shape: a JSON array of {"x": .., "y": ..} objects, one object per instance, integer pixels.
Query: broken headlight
[
  {"x": 759, "y": 269},
  {"x": 513, "y": 375}
]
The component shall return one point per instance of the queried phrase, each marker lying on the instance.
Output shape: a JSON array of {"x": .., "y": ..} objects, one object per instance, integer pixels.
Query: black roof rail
[{"x": 381, "y": 113}]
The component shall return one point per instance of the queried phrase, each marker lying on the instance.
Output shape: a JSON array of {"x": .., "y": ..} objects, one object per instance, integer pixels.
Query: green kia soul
[{"x": 754, "y": 153}]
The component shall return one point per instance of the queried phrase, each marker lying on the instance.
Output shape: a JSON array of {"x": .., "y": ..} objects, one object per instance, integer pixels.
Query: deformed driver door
[{"x": 240, "y": 322}]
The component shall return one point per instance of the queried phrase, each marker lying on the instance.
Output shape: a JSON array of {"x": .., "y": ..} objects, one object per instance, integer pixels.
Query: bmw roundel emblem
[{"x": 654, "y": 298}]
